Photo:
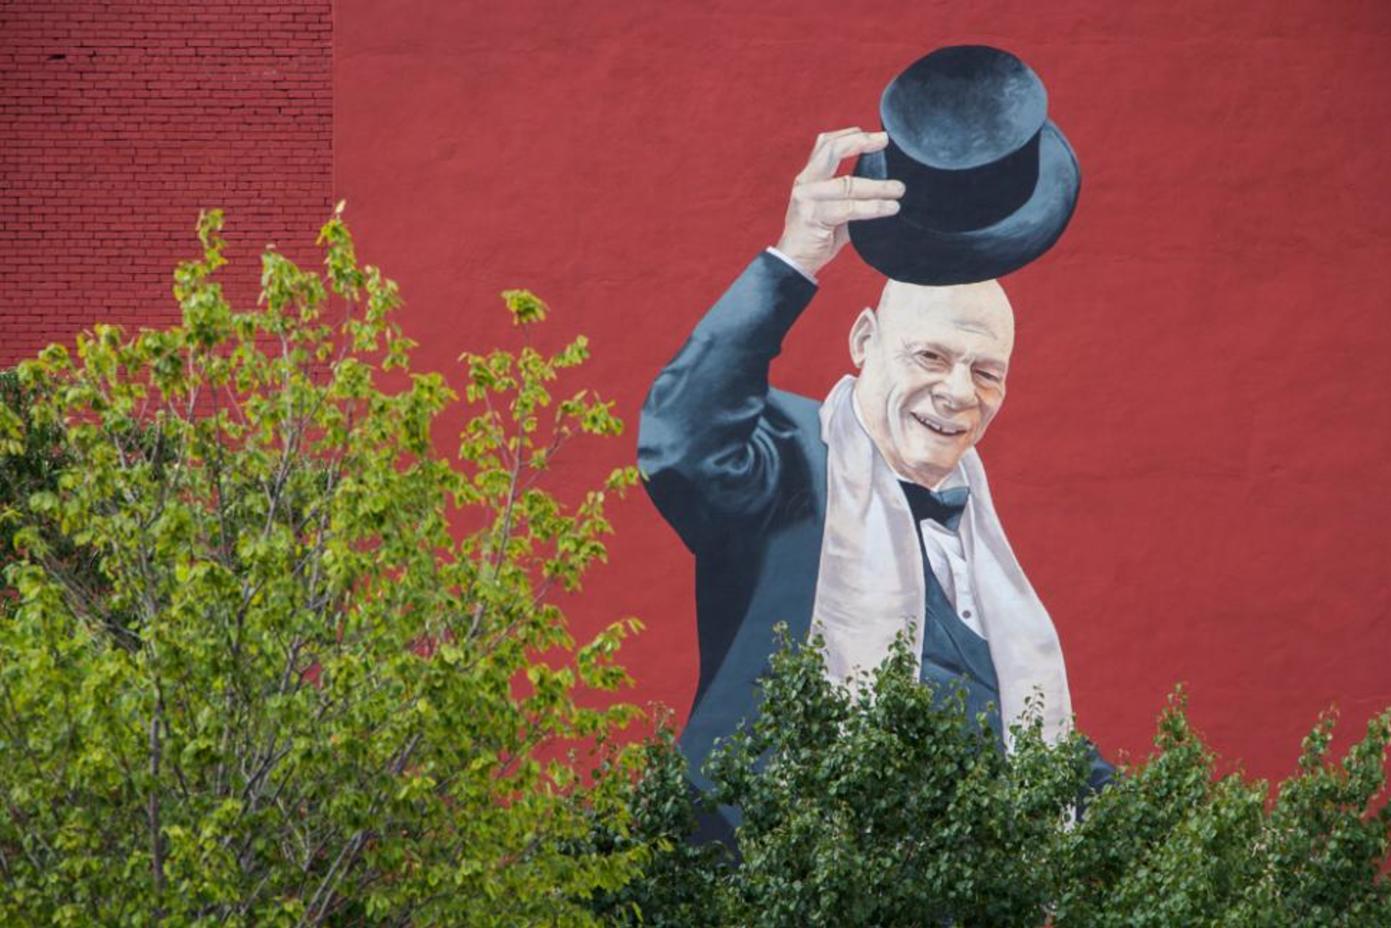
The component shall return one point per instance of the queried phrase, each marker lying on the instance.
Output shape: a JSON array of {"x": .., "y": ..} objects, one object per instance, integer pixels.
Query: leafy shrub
[
  {"x": 884, "y": 806},
  {"x": 1172, "y": 844}
]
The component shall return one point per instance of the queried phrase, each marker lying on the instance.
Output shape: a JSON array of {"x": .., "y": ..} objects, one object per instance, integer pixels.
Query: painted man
[{"x": 868, "y": 513}]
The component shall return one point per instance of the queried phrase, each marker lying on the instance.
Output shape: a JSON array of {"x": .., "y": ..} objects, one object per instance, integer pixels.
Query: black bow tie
[{"x": 941, "y": 506}]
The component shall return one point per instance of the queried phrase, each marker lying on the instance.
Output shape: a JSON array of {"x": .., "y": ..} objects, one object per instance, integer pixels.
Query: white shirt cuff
[{"x": 790, "y": 263}]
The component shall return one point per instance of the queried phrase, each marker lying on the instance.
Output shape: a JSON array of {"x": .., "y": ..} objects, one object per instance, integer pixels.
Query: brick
[{"x": 155, "y": 110}]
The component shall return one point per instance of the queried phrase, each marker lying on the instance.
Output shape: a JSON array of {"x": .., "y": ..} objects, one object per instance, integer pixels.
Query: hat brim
[{"x": 903, "y": 249}]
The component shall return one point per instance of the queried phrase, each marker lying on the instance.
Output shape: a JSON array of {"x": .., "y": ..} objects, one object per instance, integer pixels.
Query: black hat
[{"x": 991, "y": 182}]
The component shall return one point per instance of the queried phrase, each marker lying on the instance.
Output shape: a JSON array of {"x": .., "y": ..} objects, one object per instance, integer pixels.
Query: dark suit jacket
[{"x": 739, "y": 470}]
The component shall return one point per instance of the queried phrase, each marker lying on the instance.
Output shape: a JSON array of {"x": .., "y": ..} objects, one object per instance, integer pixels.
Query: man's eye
[
  {"x": 929, "y": 356},
  {"x": 988, "y": 376}
]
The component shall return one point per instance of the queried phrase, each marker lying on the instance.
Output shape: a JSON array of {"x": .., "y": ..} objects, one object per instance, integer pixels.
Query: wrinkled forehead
[{"x": 978, "y": 310}]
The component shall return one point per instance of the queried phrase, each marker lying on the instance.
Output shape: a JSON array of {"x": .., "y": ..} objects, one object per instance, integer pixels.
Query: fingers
[
  {"x": 822, "y": 203},
  {"x": 837, "y": 212},
  {"x": 832, "y": 148},
  {"x": 846, "y": 187}
]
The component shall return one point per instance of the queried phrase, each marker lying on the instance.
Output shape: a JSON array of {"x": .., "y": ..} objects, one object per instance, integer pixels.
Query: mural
[
  {"x": 869, "y": 513},
  {"x": 1190, "y": 464}
]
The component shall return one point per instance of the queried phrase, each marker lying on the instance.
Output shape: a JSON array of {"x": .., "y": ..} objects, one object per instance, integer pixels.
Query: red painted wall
[
  {"x": 120, "y": 120},
  {"x": 1194, "y": 463}
]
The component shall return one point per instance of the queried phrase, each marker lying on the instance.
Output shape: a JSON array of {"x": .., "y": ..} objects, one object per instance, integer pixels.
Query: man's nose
[{"x": 956, "y": 389}]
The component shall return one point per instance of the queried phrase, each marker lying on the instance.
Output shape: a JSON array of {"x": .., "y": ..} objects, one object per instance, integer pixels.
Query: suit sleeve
[{"x": 709, "y": 453}]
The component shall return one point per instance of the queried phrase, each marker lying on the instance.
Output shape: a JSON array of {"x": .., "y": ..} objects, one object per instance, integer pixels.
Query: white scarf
[{"x": 870, "y": 583}]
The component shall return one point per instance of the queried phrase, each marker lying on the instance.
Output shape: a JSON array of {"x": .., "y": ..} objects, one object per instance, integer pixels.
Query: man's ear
[{"x": 861, "y": 333}]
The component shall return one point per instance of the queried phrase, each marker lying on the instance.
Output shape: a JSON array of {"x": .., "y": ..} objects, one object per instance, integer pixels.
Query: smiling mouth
[{"x": 941, "y": 428}]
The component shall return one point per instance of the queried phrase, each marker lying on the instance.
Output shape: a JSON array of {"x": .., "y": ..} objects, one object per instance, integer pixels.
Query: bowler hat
[{"x": 991, "y": 182}]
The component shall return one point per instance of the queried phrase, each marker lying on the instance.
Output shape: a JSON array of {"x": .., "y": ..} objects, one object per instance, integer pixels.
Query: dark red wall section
[
  {"x": 1194, "y": 463},
  {"x": 120, "y": 120}
]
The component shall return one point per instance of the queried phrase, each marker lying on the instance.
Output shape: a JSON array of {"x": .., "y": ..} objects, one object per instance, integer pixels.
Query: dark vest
[{"x": 953, "y": 656}]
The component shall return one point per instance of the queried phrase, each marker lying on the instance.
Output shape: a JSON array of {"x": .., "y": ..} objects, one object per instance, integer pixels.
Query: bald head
[
  {"x": 933, "y": 362},
  {"x": 978, "y": 307}
]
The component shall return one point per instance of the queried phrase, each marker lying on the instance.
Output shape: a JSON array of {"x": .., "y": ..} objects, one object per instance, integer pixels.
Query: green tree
[
  {"x": 287, "y": 689},
  {"x": 881, "y": 805},
  {"x": 1174, "y": 844},
  {"x": 884, "y": 806}
]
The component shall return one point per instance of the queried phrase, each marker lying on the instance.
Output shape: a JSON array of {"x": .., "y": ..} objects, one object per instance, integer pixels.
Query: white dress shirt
[{"x": 946, "y": 555}]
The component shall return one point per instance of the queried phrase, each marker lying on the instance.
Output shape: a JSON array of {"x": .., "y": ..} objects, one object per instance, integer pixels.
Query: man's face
[{"x": 932, "y": 365}]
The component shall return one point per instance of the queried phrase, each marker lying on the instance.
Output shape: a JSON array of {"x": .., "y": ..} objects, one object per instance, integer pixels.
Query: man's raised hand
[{"x": 822, "y": 202}]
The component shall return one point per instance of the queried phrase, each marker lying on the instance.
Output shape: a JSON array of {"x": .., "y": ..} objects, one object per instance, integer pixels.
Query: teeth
[{"x": 937, "y": 428}]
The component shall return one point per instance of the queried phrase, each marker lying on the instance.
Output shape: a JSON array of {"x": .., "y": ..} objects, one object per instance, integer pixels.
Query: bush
[
  {"x": 1171, "y": 844},
  {"x": 279, "y": 691},
  {"x": 885, "y": 806}
]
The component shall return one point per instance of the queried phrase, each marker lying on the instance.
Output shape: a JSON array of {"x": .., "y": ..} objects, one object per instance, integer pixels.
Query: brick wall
[{"x": 120, "y": 120}]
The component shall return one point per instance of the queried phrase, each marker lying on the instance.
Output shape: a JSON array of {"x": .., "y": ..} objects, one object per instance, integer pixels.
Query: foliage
[
  {"x": 283, "y": 692},
  {"x": 1172, "y": 844},
  {"x": 884, "y": 806},
  {"x": 28, "y": 464},
  {"x": 681, "y": 884},
  {"x": 880, "y": 804}
]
